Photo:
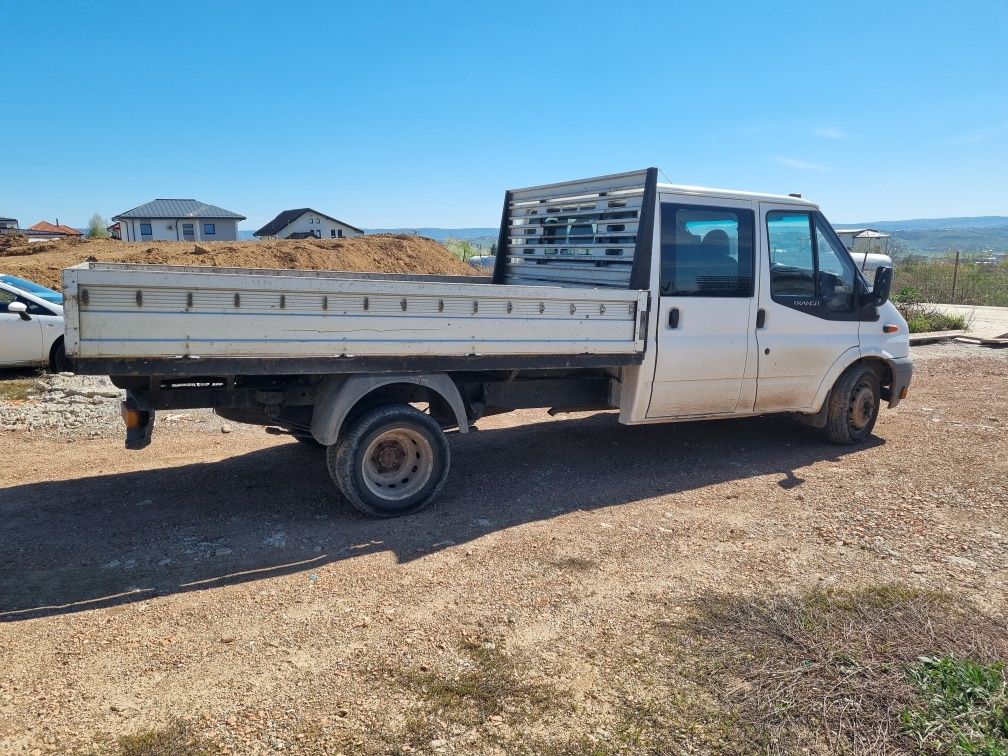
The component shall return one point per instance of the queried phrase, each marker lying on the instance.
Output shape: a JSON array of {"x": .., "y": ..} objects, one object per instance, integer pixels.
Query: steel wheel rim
[
  {"x": 398, "y": 464},
  {"x": 862, "y": 406}
]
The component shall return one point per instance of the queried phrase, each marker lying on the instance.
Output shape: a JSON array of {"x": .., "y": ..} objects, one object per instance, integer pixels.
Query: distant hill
[
  {"x": 937, "y": 235},
  {"x": 927, "y": 224},
  {"x": 439, "y": 233},
  {"x": 927, "y": 235}
]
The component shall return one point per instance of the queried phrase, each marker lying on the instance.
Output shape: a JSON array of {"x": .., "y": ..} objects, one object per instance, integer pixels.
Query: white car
[{"x": 31, "y": 325}]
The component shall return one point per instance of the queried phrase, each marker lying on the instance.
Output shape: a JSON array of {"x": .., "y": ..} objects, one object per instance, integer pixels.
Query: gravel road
[{"x": 214, "y": 578}]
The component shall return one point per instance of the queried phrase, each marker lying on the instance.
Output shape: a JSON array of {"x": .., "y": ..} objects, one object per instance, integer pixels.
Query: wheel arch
[
  {"x": 341, "y": 398},
  {"x": 882, "y": 366}
]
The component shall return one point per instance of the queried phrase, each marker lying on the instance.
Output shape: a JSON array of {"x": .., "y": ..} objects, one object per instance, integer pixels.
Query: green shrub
[{"x": 925, "y": 319}]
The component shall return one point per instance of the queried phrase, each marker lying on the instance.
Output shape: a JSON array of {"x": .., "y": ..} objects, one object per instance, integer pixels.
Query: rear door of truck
[{"x": 707, "y": 308}]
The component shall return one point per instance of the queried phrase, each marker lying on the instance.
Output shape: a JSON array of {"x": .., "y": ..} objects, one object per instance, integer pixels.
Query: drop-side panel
[{"x": 167, "y": 312}]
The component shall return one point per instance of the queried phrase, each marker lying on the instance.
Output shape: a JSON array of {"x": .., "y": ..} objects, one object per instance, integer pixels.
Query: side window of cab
[{"x": 810, "y": 270}]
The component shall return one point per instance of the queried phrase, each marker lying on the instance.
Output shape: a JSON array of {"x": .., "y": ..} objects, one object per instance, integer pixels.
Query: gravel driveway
[{"x": 215, "y": 579}]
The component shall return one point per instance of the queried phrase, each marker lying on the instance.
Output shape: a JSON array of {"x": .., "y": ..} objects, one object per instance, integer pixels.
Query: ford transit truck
[{"x": 667, "y": 303}]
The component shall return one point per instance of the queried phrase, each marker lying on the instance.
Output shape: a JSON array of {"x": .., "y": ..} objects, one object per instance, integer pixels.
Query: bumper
[{"x": 902, "y": 371}]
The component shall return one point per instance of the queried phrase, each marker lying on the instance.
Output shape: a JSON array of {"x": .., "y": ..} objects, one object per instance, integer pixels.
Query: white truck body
[{"x": 666, "y": 302}]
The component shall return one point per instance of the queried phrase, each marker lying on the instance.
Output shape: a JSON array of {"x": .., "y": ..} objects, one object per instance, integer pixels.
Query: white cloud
[
  {"x": 802, "y": 165},
  {"x": 830, "y": 132}
]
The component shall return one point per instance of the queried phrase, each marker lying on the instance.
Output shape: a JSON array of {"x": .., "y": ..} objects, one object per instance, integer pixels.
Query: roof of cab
[{"x": 707, "y": 191}]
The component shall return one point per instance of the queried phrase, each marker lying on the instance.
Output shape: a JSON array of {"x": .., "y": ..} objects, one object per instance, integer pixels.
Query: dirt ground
[
  {"x": 382, "y": 253},
  {"x": 214, "y": 579}
]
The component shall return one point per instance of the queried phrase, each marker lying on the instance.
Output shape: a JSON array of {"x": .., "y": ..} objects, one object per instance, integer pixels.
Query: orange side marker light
[
  {"x": 890, "y": 328},
  {"x": 130, "y": 416}
]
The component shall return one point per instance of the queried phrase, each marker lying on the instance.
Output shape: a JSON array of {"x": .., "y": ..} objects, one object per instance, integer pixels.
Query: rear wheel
[
  {"x": 853, "y": 406},
  {"x": 391, "y": 460}
]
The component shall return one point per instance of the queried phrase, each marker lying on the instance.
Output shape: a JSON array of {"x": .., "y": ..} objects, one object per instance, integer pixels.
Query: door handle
[
  {"x": 760, "y": 318},
  {"x": 673, "y": 317}
]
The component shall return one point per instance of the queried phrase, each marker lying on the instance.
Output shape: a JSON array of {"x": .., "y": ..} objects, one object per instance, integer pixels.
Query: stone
[{"x": 961, "y": 561}]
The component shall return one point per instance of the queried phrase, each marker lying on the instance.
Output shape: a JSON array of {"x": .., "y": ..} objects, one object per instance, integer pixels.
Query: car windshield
[{"x": 33, "y": 288}]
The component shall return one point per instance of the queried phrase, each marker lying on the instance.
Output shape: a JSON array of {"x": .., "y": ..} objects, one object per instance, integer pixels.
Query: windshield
[{"x": 33, "y": 288}]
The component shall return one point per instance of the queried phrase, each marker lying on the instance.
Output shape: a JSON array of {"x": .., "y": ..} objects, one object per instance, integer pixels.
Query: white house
[
  {"x": 304, "y": 222},
  {"x": 178, "y": 220}
]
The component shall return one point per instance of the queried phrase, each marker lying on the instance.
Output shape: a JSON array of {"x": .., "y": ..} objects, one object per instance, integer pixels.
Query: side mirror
[
  {"x": 882, "y": 287},
  {"x": 20, "y": 308}
]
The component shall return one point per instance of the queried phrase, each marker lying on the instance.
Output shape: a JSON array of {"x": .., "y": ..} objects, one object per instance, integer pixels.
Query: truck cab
[{"x": 756, "y": 305}]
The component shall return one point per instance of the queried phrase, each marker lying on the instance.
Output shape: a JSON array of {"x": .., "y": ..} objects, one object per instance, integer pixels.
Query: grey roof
[
  {"x": 178, "y": 208},
  {"x": 286, "y": 217},
  {"x": 863, "y": 233}
]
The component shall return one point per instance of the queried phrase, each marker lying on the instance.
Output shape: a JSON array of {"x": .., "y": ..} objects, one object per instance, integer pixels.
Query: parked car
[
  {"x": 31, "y": 325},
  {"x": 33, "y": 288},
  {"x": 482, "y": 261}
]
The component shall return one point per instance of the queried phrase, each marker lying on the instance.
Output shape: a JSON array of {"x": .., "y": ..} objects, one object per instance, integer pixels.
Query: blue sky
[{"x": 421, "y": 114}]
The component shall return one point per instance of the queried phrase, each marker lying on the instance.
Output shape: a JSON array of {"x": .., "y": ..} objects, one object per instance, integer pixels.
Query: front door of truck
[
  {"x": 706, "y": 308},
  {"x": 808, "y": 297}
]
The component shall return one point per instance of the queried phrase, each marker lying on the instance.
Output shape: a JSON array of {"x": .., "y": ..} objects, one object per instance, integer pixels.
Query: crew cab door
[
  {"x": 706, "y": 308},
  {"x": 808, "y": 298}
]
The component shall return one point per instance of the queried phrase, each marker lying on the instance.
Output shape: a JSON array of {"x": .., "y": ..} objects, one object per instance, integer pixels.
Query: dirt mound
[{"x": 376, "y": 253}]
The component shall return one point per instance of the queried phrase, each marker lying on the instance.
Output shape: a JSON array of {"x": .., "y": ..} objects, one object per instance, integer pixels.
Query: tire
[
  {"x": 853, "y": 406},
  {"x": 392, "y": 460},
  {"x": 58, "y": 362}
]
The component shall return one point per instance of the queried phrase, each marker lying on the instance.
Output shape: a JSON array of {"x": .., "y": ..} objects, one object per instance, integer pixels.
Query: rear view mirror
[
  {"x": 19, "y": 308},
  {"x": 882, "y": 286}
]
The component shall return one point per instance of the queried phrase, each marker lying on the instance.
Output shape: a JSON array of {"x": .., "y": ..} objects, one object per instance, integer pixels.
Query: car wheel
[
  {"x": 392, "y": 460},
  {"x": 853, "y": 406},
  {"x": 58, "y": 362}
]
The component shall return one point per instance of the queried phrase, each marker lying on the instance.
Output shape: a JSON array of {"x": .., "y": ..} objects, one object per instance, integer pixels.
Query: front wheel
[
  {"x": 853, "y": 406},
  {"x": 392, "y": 460}
]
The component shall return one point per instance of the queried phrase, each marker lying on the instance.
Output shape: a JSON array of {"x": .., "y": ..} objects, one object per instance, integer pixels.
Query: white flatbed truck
[{"x": 666, "y": 302}]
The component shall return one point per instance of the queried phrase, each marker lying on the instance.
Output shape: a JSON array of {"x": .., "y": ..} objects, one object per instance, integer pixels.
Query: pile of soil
[{"x": 375, "y": 253}]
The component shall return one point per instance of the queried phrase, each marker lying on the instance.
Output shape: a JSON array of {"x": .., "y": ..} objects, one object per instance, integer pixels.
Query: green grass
[
  {"x": 923, "y": 318},
  {"x": 16, "y": 389},
  {"x": 177, "y": 739},
  {"x": 961, "y": 707},
  {"x": 974, "y": 283},
  {"x": 841, "y": 670},
  {"x": 488, "y": 682}
]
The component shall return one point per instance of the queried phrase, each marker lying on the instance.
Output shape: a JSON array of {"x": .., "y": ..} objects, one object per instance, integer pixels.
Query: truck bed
[{"x": 172, "y": 320}]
